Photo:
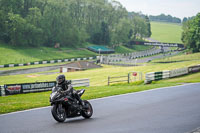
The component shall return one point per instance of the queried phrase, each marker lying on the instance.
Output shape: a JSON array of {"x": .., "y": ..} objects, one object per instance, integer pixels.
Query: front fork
[{"x": 61, "y": 109}]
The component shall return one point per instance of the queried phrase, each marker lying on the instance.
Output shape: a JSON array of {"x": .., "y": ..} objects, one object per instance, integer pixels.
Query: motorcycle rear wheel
[
  {"x": 87, "y": 113},
  {"x": 58, "y": 114}
]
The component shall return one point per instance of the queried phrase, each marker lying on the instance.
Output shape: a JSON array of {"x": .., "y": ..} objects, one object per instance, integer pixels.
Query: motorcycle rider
[{"x": 67, "y": 88}]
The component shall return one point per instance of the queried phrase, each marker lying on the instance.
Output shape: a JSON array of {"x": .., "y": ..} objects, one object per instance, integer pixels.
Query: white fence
[{"x": 80, "y": 82}]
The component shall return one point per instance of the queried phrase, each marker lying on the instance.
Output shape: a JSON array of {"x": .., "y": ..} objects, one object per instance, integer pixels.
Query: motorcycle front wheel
[
  {"x": 87, "y": 113},
  {"x": 58, "y": 112}
]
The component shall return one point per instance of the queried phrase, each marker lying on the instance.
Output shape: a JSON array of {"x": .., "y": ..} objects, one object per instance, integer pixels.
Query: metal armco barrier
[
  {"x": 156, "y": 76},
  {"x": 11, "y": 89},
  {"x": 170, "y": 74},
  {"x": 166, "y": 74},
  {"x": 178, "y": 72},
  {"x": 194, "y": 69}
]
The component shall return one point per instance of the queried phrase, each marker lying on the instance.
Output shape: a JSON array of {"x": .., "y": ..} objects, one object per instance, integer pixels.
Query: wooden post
[
  {"x": 128, "y": 78},
  {"x": 108, "y": 80}
]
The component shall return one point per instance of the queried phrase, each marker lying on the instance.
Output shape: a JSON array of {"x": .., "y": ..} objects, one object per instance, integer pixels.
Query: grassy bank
[
  {"x": 133, "y": 48},
  {"x": 179, "y": 58},
  {"x": 11, "y": 54},
  {"x": 16, "y": 55},
  {"x": 166, "y": 32}
]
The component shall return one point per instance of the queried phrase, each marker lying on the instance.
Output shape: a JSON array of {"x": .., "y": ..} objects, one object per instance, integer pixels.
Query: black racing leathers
[{"x": 68, "y": 89}]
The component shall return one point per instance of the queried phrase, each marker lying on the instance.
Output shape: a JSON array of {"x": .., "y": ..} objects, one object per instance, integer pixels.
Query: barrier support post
[
  {"x": 128, "y": 78},
  {"x": 108, "y": 80}
]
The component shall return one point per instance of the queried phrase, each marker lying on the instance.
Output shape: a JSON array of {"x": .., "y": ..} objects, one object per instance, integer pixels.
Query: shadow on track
[{"x": 77, "y": 120}]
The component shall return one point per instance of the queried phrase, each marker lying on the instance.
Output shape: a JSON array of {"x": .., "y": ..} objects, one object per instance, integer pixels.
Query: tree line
[
  {"x": 165, "y": 18},
  {"x": 187, "y": 18},
  {"x": 191, "y": 33},
  {"x": 69, "y": 22}
]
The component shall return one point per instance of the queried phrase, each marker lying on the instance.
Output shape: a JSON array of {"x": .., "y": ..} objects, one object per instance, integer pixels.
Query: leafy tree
[
  {"x": 191, "y": 33},
  {"x": 130, "y": 34},
  {"x": 148, "y": 26},
  {"x": 105, "y": 35},
  {"x": 11, "y": 6},
  {"x": 122, "y": 31},
  {"x": 68, "y": 22},
  {"x": 3, "y": 27},
  {"x": 21, "y": 32},
  {"x": 184, "y": 19}
]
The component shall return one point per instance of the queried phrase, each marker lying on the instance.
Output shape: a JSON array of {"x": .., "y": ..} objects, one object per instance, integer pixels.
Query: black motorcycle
[{"x": 66, "y": 106}]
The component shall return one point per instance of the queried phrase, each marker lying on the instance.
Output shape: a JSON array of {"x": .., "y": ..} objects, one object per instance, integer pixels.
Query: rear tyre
[
  {"x": 58, "y": 112},
  {"x": 88, "y": 111}
]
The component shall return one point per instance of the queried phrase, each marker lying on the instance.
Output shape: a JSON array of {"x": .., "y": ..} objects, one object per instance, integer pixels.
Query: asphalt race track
[{"x": 165, "y": 110}]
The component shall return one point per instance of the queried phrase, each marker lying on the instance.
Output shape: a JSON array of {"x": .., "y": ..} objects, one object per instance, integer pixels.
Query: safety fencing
[
  {"x": 156, "y": 76},
  {"x": 153, "y": 76},
  {"x": 48, "y": 62},
  {"x": 129, "y": 57},
  {"x": 11, "y": 89}
]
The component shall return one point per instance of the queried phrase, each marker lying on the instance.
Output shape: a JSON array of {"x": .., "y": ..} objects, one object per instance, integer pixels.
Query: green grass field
[
  {"x": 166, "y": 32},
  {"x": 179, "y": 58},
  {"x": 133, "y": 48},
  {"x": 14, "y": 55}
]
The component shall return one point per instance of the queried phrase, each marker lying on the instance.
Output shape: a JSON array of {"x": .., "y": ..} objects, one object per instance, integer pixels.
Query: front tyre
[
  {"x": 58, "y": 112},
  {"x": 88, "y": 111}
]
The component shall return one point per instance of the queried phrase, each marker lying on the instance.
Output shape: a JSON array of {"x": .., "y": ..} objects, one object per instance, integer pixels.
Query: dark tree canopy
[
  {"x": 68, "y": 22},
  {"x": 191, "y": 33}
]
